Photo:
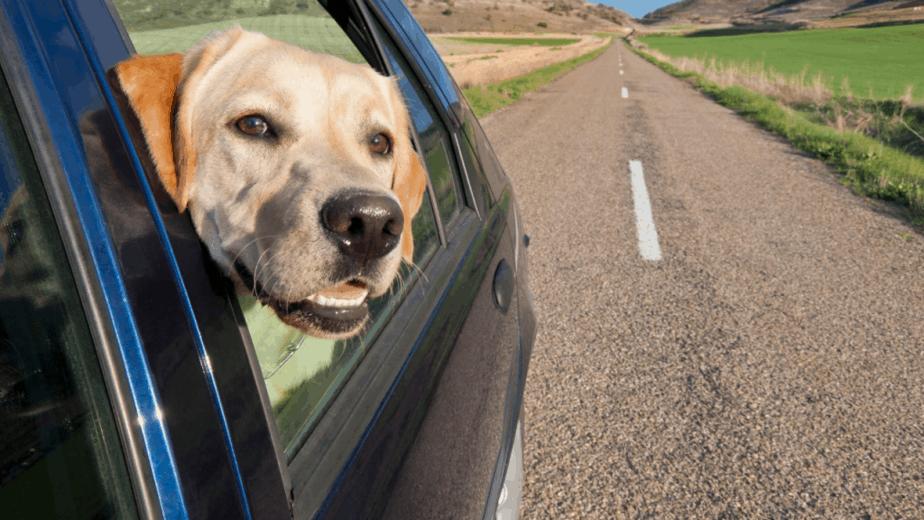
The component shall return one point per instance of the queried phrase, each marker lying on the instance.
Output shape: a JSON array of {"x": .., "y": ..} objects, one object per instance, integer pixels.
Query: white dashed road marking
[
  {"x": 647, "y": 234},
  {"x": 625, "y": 92}
]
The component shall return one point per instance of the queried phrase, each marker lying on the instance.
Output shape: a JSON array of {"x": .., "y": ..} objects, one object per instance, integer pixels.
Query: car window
[
  {"x": 434, "y": 138},
  {"x": 60, "y": 455},
  {"x": 302, "y": 374}
]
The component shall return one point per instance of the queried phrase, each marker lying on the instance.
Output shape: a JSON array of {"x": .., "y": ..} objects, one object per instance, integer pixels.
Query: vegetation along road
[
  {"x": 750, "y": 346},
  {"x": 882, "y": 61}
]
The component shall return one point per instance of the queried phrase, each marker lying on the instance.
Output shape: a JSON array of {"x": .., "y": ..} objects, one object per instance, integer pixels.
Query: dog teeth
[{"x": 336, "y": 302}]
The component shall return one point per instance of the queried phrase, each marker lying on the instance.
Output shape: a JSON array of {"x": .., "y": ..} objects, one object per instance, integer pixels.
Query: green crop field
[
  {"x": 885, "y": 59},
  {"x": 545, "y": 42},
  {"x": 321, "y": 34}
]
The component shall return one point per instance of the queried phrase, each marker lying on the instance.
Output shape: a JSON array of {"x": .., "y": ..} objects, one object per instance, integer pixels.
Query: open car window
[{"x": 302, "y": 374}]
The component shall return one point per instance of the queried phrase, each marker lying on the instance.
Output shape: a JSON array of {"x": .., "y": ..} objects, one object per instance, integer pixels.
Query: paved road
[{"x": 771, "y": 365}]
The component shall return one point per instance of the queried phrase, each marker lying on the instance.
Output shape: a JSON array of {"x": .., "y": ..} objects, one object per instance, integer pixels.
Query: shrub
[
  {"x": 542, "y": 24},
  {"x": 447, "y": 12}
]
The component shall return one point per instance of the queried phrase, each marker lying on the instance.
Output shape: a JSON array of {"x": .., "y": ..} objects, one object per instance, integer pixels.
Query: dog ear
[
  {"x": 153, "y": 85},
  {"x": 409, "y": 185},
  {"x": 150, "y": 84}
]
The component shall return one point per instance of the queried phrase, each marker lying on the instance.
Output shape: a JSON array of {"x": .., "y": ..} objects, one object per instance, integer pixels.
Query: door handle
[{"x": 503, "y": 286}]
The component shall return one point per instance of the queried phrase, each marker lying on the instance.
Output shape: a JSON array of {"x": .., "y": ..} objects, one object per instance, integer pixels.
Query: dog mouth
[{"x": 335, "y": 310}]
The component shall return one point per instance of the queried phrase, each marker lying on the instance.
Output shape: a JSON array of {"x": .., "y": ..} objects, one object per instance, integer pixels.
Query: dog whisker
[
  {"x": 241, "y": 251},
  {"x": 256, "y": 268},
  {"x": 419, "y": 270}
]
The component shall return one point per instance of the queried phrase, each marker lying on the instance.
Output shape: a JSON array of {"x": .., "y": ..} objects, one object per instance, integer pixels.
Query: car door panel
[
  {"x": 395, "y": 429},
  {"x": 466, "y": 318},
  {"x": 450, "y": 467}
]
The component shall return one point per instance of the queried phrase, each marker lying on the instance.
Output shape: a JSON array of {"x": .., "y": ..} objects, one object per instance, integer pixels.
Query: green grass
[
  {"x": 892, "y": 123},
  {"x": 140, "y": 15},
  {"x": 869, "y": 167},
  {"x": 488, "y": 98},
  {"x": 317, "y": 33},
  {"x": 543, "y": 42},
  {"x": 884, "y": 58}
]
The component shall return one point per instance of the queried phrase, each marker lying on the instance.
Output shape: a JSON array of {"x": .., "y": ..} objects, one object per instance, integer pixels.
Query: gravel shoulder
[{"x": 770, "y": 366}]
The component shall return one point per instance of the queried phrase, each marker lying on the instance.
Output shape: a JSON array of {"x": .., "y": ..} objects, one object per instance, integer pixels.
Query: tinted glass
[
  {"x": 60, "y": 455},
  {"x": 434, "y": 139},
  {"x": 302, "y": 374}
]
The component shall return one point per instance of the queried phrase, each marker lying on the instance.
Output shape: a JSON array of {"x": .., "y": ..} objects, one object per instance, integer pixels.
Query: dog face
[{"x": 296, "y": 167}]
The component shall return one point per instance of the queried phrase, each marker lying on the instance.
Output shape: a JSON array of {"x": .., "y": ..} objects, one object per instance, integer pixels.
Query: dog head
[{"x": 296, "y": 167}]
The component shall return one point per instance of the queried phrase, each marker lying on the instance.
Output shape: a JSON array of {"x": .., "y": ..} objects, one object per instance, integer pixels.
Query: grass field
[
  {"x": 141, "y": 15},
  {"x": 884, "y": 59},
  {"x": 317, "y": 33},
  {"x": 544, "y": 42},
  {"x": 869, "y": 166}
]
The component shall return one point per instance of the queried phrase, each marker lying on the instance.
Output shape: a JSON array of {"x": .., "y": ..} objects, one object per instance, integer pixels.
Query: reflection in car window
[
  {"x": 60, "y": 455},
  {"x": 302, "y": 374},
  {"x": 434, "y": 139}
]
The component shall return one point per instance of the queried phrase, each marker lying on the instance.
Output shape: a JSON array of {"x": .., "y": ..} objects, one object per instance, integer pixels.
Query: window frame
[
  {"x": 382, "y": 64},
  {"x": 327, "y": 453},
  {"x": 452, "y": 127},
  {"x": 94, "y": 293}
]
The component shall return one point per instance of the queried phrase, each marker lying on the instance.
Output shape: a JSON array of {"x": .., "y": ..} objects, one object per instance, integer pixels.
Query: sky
[{"x": 637, "y": 8}]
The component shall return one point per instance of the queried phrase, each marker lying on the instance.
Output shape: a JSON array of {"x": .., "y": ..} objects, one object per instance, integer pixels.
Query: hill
[
  {"x": 560, "y": 16},
  {"x": 436, "y": 16},
  {"x": 798, "y": 12}
]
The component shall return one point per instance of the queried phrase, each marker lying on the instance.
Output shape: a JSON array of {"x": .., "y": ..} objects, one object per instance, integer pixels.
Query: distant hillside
[
  {"x": 762, "y": 11},
  {"x": 579, "y": 16},
  {"x": 436, "y": 16}
]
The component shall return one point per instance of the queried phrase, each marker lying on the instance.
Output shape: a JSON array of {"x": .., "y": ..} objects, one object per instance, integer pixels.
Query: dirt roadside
[{"x": 483, "y": 64}]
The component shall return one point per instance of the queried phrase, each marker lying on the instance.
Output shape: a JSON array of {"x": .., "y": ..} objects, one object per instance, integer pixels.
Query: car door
[
  {"x": 456, "y": 464},
  {"x": 206, "y": 429}
]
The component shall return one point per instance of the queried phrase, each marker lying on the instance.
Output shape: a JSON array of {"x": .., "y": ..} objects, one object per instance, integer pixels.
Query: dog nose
[{"x": 365, "y": 226}]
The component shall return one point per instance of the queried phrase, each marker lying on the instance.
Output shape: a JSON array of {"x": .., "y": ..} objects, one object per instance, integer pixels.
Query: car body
[{"x": 133, "y": 383}]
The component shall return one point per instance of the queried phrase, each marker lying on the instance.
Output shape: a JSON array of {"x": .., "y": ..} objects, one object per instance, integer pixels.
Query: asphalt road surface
[{"x": 769, "y": 365}]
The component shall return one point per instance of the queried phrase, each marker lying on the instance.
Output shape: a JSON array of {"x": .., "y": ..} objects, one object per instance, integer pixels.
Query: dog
[{"x": 296, "y": 167}]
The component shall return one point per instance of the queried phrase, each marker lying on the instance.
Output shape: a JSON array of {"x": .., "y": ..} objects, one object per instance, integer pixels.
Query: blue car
[{"x": 134, "y": 383}]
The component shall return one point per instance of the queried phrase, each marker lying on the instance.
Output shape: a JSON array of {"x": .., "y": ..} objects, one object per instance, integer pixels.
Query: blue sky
[{"x": 637, "y": 8}]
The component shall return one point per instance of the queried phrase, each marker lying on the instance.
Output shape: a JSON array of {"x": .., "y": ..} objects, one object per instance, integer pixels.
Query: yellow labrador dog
[{"x": 296, "y": 167}]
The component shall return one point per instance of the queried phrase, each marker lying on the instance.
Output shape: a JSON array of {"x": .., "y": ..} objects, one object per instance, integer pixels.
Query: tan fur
[
  {"x": 257, "y": 202},
  {"x": 150, "y": 84}
]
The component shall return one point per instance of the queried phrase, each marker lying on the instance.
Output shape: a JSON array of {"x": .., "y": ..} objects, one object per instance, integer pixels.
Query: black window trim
[
  {"x": 120, "y": 26},
  {"x": 457, "y": 146},
  {"x": 39, "y": 135},
  {"x": 452, "y": 127},
  {"x": 415, "y": 139}
]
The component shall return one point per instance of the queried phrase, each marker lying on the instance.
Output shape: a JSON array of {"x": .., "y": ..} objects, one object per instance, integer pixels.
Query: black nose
[{"x": 365, "y": 226}]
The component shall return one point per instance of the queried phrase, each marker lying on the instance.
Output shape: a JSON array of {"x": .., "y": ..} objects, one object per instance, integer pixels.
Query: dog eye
[
  {"x": 253, "y": 125},
  {"x": 380, "y": 144}
]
